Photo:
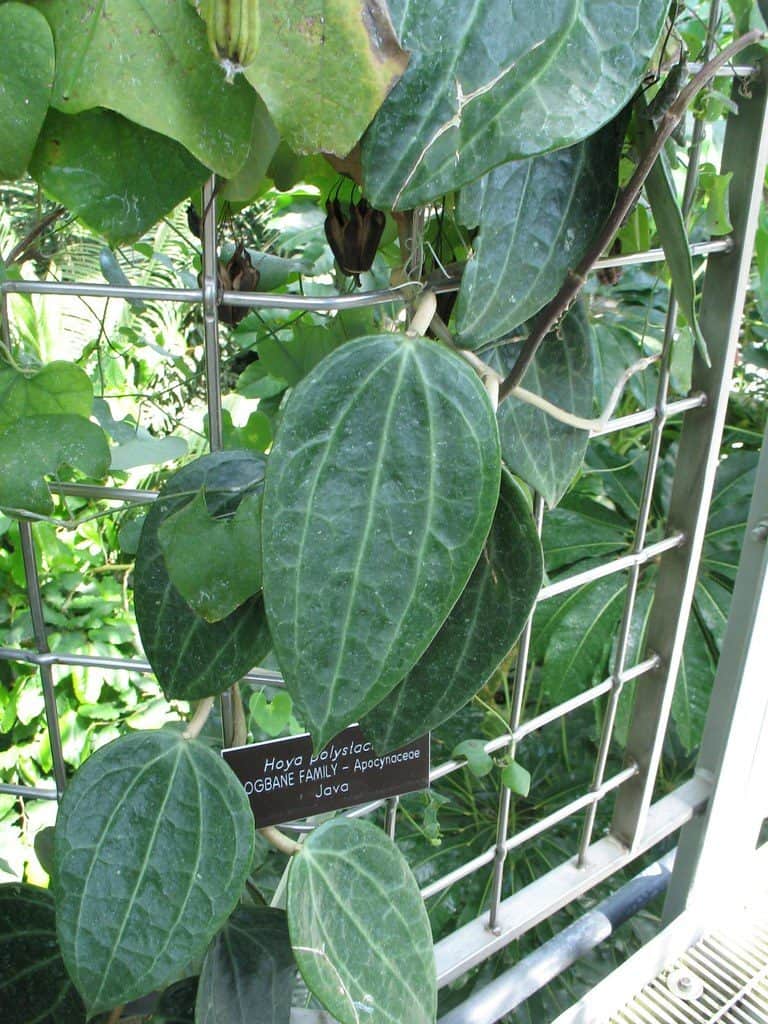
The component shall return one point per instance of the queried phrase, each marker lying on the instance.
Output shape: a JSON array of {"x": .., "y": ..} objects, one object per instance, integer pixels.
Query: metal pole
[
  {"x": 533, "y": 972},
  {"x": 41, "y": 642}
]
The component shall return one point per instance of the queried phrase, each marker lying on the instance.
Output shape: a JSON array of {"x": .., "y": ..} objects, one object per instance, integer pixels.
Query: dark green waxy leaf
[
  {"x": 537, "y": 219},
  {"x": 34, "y": 985},
  {"x": 479, "y": 761},
  {"x": 154, "y": 841},
  {"x": 264, "y": 140},
  {"x": 578, "y": 629},
  {"x": 118, "y": 177},
  {"x": 58, "y": 387},
  {"x": 44, "y": 848},
  {"x": 193, "y": 658},
  {"x": 581, "y": 529},
  {"x": 359, "y": 929},
  {"x": 386, "y": 455},
  {"x": 516, "y": 778},
  {"x": 503, "y": 80},
  {"x": 477, "y": 635},
  {"x": 671, "y": 229},
  {"x": 215, "y": 564},
  {"x": 248, "y": 973},
  {"x": 26, "y": 81},
  {"x": 324, "y": 68},
  {"x": 177, "y": 1004},
  {"x": 543, "y": 451},
  {"x": 150, "y": 62},
  {"x": 34, "y": 447}
]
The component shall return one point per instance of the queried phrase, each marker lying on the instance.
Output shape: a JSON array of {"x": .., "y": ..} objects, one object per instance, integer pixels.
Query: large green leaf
[
  {"x": 537, "y": 219},
  {"x": 34, "y": 985},
  {"x": 248, "y": 973},
  {"x": 230, "y": 570},
  {"x": 359, "y": 929},
  {"x": 191, "y": 657},
  {"x": 477, "y": 635},
  {"x": 118, "y": 177},
  {"x": 671, "y": 229},
  {"x": 58, "y": 387},
  {"x": 582, "y": 529},
  {"x": 34, "y": 447},
  {"x": 380, "y": 492},
  {"x": 154, "y": 842},
  {"x": 324, "y": 68},
  {"x": 502, "y": 80},
  {"x": 580, "y": 632},
  {"x": 26, "y": 81},
  {"x": 543, "y": 451},
  {"x": 149, "y": 60},
  {"x": 250, "y": 178}
]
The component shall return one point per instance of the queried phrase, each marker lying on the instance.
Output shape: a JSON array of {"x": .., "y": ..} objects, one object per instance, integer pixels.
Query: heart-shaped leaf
[
  {"x": 501, "y": 80},
  {"x": 248, "y": 973},
  {"x": 359, "y": 929},
  {"x": 477, "y": 635},
  {"x": 271, "y": 715},
  {"x": 154, "y": 841},
  {"x": 34, "y": 447},
  {"x": 193, "y": 658},
  {"x": 386, "y": 457},
  {"x": 26, "y": 81},
  {"x": 516, "y": 778},
  {"x": 34, "y": 984},
  {"x": 118, "y": 177},
  {"x": 230, "y": 571},
  {"x": 537, "y": 219},
  {"x": 58, "y": 387},
  {"x": 479, "y": 761},
  {"x": 323, "y": 68},
  {"x": 149, "y": 61},
  {"x": 543, "y": 451}
]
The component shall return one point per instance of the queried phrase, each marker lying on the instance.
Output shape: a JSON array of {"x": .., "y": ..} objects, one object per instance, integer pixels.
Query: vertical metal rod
[
  {"x": 505, "y": 801},
  {"x": 390, "y": 820},
  {"x": 5, "y": 321},
  {"x": 641, "y": 529},
  {"x": 213, "y": 371},
  {"x": 41, "y": 642},
  {"x": 725, "y": 282}
]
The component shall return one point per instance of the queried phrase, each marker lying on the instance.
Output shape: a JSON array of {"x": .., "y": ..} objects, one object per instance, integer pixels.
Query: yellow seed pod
[{"x": 234, "y": 27}]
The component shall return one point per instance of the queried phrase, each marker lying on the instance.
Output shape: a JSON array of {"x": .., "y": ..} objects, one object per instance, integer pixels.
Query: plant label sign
[{"x": 284, "y": 780}]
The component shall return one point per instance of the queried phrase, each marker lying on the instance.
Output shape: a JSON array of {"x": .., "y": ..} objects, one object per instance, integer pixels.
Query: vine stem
[
  {"x": 280, "y": 840},
  {"x": 576, "y": 279},
  {"x": 115, "y": 1014},
  {"x": 198, "y": 719}
]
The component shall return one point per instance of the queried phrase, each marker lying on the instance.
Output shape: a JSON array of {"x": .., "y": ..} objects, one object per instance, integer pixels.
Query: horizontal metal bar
[
  {"x": 474, "y": 942},
  {"x": 30, "y": 792},
  {"x": 598, "y": 572},
  {"x": 509, "y": 990},
  {"x": 529, "y": 833},
  {"x": 637, "y": 419},
  {"x": 265, "y": 676},
  {"x": 586, "y": 697},
  {"x": 313, "y": 303},
  {"x": 104, "y": 493}
]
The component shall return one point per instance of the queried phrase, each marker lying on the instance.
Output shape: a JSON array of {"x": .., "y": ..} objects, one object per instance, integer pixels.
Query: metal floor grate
[{"x": 723, "y": 979}]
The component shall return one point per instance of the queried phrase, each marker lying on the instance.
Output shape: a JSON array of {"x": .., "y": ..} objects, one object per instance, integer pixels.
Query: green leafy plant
[{"x": 370, "y": 523}]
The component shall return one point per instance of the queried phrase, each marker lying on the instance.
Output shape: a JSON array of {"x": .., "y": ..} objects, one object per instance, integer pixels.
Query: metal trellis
[{"x": 638, "y": 822}]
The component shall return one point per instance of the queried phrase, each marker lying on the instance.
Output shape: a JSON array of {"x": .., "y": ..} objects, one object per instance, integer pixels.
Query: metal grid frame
[{"x": 638, "y": 824}]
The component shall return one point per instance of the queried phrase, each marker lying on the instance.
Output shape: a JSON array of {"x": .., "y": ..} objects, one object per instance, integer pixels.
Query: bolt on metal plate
[{"x": 684, "y": 985}]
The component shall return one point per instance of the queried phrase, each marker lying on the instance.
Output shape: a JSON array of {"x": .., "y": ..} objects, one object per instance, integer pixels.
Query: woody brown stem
[{"x": 576, "y": 279}]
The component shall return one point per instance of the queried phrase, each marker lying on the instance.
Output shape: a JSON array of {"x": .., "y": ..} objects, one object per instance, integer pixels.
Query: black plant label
[{"x": 284, "y": 780}]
